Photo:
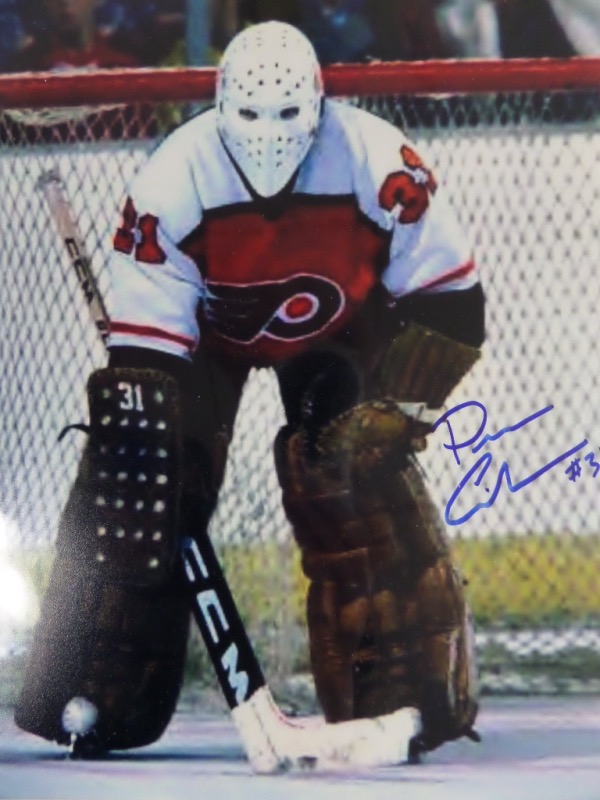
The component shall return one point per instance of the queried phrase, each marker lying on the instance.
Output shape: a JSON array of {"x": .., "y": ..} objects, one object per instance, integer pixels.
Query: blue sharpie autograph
[{"x": 477, "y": 472}]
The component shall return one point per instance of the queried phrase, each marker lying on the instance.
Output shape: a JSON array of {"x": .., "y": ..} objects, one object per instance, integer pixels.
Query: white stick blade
[{"x": 275, "y": 743}]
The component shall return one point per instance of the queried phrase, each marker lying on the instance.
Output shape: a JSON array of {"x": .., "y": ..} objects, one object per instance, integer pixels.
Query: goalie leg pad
[
  {"x": 114, "y": 622},
  {"x": 422, "y": 653},
  {"x": 446, "y": 663},
  {"x": 123, "y": 514},
  {"x": 356, "y": 507},
  {"x": 121, "y": 647},
  {"x": 385, "y": 608}
]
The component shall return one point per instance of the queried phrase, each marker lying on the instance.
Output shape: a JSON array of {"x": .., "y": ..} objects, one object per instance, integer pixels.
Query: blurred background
[{"x": 54, "y": 34}]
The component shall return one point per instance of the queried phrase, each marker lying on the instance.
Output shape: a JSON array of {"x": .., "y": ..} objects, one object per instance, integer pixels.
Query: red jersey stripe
[
  {"x": 451, "y": 275},
  {"x": 152, "y": 333}
]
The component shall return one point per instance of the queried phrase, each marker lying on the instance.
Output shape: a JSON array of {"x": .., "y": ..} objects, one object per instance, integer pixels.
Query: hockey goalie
[{"x": 287, "y": 230}]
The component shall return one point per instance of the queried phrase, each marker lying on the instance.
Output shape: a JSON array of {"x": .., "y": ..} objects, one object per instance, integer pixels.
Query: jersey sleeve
[
  {"x": 396, "y": 188},
  {"x": 155, "y": 287}
]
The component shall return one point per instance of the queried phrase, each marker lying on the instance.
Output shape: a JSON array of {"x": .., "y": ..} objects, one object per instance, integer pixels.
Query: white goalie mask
[{"x": 269, "y": 91}]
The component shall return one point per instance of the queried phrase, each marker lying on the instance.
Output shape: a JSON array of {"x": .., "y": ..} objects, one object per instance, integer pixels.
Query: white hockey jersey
[{"x": 199, "y": 255}]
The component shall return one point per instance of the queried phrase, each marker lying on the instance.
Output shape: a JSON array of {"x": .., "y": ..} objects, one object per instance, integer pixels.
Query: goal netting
[{"x": 517, "y": 144}]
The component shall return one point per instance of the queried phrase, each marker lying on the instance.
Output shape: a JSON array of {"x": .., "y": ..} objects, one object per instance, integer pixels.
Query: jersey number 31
[
  {"x": 138, "y": 235},
  {"x": 409, "y": 190}
]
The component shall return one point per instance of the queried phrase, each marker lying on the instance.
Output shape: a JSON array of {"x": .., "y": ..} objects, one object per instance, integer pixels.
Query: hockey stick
[
  {"x": 271, "y": 741},
  {"x": 50, "y": 183}
]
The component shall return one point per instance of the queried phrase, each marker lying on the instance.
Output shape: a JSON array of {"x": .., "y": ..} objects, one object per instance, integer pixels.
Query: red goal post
[
  {"x": 517, "y": 146},
  {"x": 178, "y": 85}
]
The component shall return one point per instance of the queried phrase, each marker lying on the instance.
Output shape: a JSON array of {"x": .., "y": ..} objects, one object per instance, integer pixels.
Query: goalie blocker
[
  {"x": 388, "y": 623},
  {"x": 114, "y": 621}
]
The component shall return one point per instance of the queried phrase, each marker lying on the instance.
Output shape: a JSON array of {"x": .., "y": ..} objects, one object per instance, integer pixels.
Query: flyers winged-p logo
[{"x": 288, "y": 310}]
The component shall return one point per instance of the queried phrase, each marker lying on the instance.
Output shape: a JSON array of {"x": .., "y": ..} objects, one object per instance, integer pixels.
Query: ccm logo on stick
[{"x": 210, "y": 607}]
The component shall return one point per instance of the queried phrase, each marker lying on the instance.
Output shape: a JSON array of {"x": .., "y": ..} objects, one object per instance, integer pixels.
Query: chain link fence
[{"x": 523, "y": 173}]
